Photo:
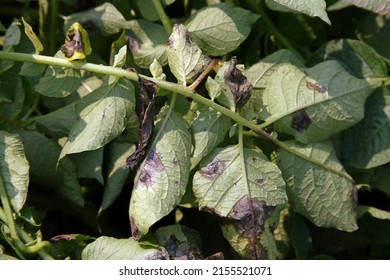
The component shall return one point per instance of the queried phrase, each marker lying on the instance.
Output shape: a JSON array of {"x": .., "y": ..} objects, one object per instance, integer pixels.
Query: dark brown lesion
[
  {"x": 300, "y": 120},
  {"x": 237, "y": 83},
  {"x": 213, "y": 170}
]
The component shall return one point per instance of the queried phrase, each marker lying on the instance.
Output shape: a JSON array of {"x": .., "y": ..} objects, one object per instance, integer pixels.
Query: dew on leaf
[
  {"x": 300, "y": 120},
  {"x": 213, "y": 170}
]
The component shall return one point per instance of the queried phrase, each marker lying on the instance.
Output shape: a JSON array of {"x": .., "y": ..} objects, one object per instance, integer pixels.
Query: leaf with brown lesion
[{"x": 145, "y": 111}]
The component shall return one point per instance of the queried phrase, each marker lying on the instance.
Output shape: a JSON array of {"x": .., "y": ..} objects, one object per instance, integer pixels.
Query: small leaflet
[
  {"x": 77, "y": 45},
  {"x": 237, "y": 83},
  {"x": 145, "y": 110}
]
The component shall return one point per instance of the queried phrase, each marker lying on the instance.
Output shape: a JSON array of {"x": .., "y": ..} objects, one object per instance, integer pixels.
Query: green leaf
[
  {"x": 301, "y": 238},
  {"x": 375, "y": 212},
  {"x": 42, "y": 155},
  {"x": 375, "y": 31},
  {"x": 223, "y": 182},
  {"x": 119, "y": 62},
  {"x": 147, "y": 42},
  {"x": 162, "y": 178},
  {"x": 2, "y": 27},
  {"x": 221, "y": 28},
  {"x": 316, "y": 103},
  {"x": 89, "y": 164},
  {"x": 12, "y": 38},
  {"x": 381, "y": 7},
  {"x": 103, "y": 120},
  {"x": 317, "y": 193},
  {"x": 181, "y": 242},
  {"x": 357, "y": 58},
  {"x": 104, "y": 17},
  {"x": 59, "y": 81},
  {"x": 185, "y": 58},
  {"x": 209, "y": 128},
  {"x": 313, "y": 8},
  {"x": 148, "y": 11},
  {"x": 33, "y": 37},
  {"x": 366, "y": 145},
  {"x": 14, "y": 169},
  {"x": 258, "y": 75},
  {"x": 109, "y": 248},
  {"x": 117, "y": 175}
]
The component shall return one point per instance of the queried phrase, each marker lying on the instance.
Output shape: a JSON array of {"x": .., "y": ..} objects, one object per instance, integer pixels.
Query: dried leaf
[{"x": 77, "y": 45}]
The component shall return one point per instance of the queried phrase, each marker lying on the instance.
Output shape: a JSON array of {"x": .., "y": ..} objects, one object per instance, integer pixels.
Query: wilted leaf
[
  {"x": 314, "y": 104},
  {"x": 314, "y": 8},
  {"x": 181, "y": 242},
  {"x": 209, "y": 128},
  {"x": 42, "y": 155},
  {"x": 243, "y": 186},
  {"x": 104, "y": 17},
  {"x": 147, "y": 41},
  {"x": 14, "y": 169},
  {"x": 162, "y": 178},
  {"x": 185, "y": 58},
  {"x": 322, "y": 196},
  {"x": 103, "y": 120},
  {"x": 221, "y": 28},
  {"x": 77, "y": 45},
  {"x": 109, "y": 248},
  {"x": 145, "y": 112},
  {"x": 33, "y": 37},
  {"x": 366, "y": 145}
]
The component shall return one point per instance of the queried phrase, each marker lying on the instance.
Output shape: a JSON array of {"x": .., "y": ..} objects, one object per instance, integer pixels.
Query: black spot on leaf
[
  {"x": 238, "y": 84},
  {"x": 259, "y": 181},
  {"x": 300, "y": 120},
  {"x": 316, "y": 87},
  {"x": 213, "y": 170},
  {"x": 145, "y": 110}
]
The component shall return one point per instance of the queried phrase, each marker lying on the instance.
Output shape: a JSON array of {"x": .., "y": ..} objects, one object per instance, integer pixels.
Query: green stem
[
  {"x": 272, "y": 28},
  {"x": 53, "y": 26},
  {"x": 175, "y": 88},
  {"x": 163, "y": 16},
  {"x": 7, "y": 210}
]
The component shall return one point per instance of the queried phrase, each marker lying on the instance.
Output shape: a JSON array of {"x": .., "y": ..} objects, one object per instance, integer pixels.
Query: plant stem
[
  {"x": 163, "y": 16},
  {"x": 175, "y": 88},
  {"x": 272, "y": 28},
  {"x": 7, "y": 210}
]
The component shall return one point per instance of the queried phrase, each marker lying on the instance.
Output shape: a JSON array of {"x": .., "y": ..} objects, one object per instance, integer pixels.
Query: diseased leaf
[
  {"x": 117, "y": 174},
  {"x": 145, "y": 112},
  {"x": 14, "y": 169},
  {"x": 244, "y": 188},
  {"x": 42, "y": 154},
  {"x": 185, "y": 58},
  {"x": 358, "y": 58},
  {"x": 33, "y": 37},
  {"x": 314, "y": 8},
  {"x": 209, "y": 128},
  {"x": 104, "y": 17},
  {"x": 322, "y": 196},
  {"x": 366, "y": 145},
  {"x": 147, "y": 41},
  {"x": 220, "y": 28},
  {"x": 381, "y": 7},
  {"x": 77, "y": 45},
  {"x": 109, "y": 248},
  {"x": 162, "y": 178},
  {"x": 58, "y": 81},
  {"x": 181, "y": 242},
  {"x": 316, "y": 103},
  {"x": 103, "y": 120}
]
